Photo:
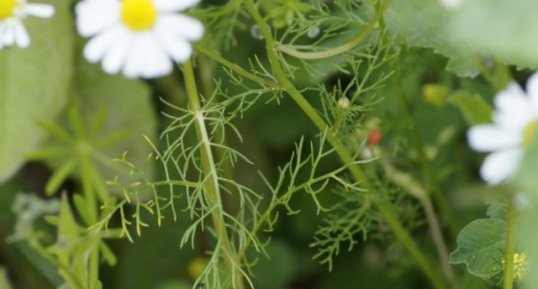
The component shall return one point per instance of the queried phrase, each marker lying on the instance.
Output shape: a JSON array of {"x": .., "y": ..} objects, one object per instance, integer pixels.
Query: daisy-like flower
[
  {"x": 12, "y": 13},
  {"x": 140, "y": 38},
  {"x": 515, "y": 124}
]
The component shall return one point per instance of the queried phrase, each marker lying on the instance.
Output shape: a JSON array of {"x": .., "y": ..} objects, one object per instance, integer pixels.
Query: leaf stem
[
  {"x": 508, "y": 280},
  {"x": 427, "y": 170},
  {"x": 211, "y": 184},
  {"x": 236, "y": 68},
  {"x": 384, "y": 207},
  {"x": 339, "y": 49},
  {"x": 416, "y": 190}
]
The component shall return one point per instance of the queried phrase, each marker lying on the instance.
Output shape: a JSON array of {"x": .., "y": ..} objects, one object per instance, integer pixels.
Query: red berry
[{"x": 374, "y": 137}]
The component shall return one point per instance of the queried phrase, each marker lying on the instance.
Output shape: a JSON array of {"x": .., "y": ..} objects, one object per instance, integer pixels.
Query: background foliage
[{"x": 338, "y": 130}]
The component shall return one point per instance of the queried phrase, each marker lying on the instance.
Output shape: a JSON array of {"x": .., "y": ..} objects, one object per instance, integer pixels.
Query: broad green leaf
[
  {"x": 481, "y": 246},
  {"x": 474, "y": 108},
  {"x": 508, "y": 30},
  {"x": 424, "y": 23},
  {"x": 34, "y": 85}
]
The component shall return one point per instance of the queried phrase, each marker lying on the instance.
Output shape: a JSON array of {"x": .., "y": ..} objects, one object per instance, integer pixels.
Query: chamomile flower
[
  {"x": 515, "y": 124},
  {"x": 12, "y": 14},
  {"x": 140, "y": 38}
]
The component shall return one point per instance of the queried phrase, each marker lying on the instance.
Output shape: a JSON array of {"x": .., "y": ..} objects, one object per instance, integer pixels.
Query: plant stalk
[
  {"x": 384, "y": 207},
  {"x": 211, "y": 184},
  {"x": 427, "y": 170},
  {"x": 509, "y": 250}
]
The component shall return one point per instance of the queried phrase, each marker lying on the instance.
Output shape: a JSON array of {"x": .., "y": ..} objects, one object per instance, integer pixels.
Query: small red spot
[{"x": 375, "y": 137}]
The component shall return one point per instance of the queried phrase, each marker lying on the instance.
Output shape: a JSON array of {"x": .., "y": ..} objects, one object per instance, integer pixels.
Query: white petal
[
  {"x": 532, "y": 90},
  {"x": 2, "y": 31},
  {"x": 486, "y": 138},
  {"x": 500, "y": 166},
  {"x": 9, "y": 33},
  {"x": 97, "y": 46},
  {"x": 147, "y": 59},
  {"x": 514, "y": 109},
  {"x": 21, "y": 35},
  {"x": 174, "y": 5},
  {"x": 181, "y": 25},
  {"x": 94, "y": 16},
  {"x": 39, "y": 10},
  {"x": 175, "y": 46},
  {"x": 116, "y": 55}
]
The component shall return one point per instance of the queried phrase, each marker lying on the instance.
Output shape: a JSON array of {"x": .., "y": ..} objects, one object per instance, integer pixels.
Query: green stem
[
  {"x": 415, "y": 189},
  {"x": 211, "y": 185},
  {"x": 509, "y": 249},
  {"x": 236, "y": 68},
  {"x": 339, "y": 49},
  {"x": 427, "y": 170},
  {"x": 205, "y": 77},
  {"x": 384, "y": 207}
]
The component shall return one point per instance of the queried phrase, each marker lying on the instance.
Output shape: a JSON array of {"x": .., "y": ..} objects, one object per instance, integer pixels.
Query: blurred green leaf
[
  {"x": 120, "y": 110},
  {"x": 175, "y": 285},
  {"x": 424, "y": 23},
  {"x": 34, "y": 84},
  {"x": 481, "y": 245},
  {"x": 506, "y": 29},
  {"x": 4, "y": 282},
  {"x": 278, "y": 271},
  {"x": 67, "y": 227},
  {"x": 474, "y": 108}
]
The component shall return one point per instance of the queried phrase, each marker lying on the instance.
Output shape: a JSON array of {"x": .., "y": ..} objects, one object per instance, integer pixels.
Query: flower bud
[{"x": 343, "y": 102}]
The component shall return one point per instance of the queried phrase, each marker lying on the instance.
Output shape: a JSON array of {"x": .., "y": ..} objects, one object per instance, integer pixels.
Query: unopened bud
[
  {"x": 435, "y": 93},
  {"x": 343, "y": 102}
]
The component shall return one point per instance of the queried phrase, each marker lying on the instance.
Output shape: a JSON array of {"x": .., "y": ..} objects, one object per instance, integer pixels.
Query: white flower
[
  {"x": 451, "y": 4},
  {"x": 515, "y": 124},
  {"x": 141, "y": 38},
  {"x": 12, "y": 12}
]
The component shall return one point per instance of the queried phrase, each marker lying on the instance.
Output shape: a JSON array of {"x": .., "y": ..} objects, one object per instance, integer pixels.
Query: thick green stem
[
  {"x": 384, "y": 207},
  {"x": 211, "y": 184},
  {"x": 509, "y": 250}
]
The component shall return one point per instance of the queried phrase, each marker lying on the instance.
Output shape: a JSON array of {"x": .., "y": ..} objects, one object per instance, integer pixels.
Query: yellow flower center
[
  {"x": 138, "y": 15},
  {"x": 7, "y": 8},
  {"x": 530, "y": 132},
  {"x": 520, "y": 265}
]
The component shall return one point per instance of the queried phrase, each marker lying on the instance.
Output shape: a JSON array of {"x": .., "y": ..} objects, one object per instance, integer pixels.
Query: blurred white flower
[
  {"x": 515, "y": 124},
  {"x": 452, "y": 4},
  {"x": 12, "y": 13},
  {"x": 141, "y": 38}
]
